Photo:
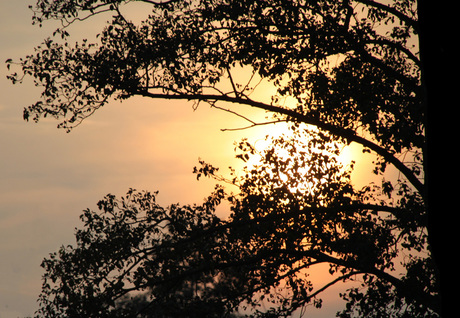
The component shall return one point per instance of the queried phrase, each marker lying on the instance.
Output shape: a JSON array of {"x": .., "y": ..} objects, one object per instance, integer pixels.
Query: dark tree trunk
[{"x": 438, "y": 75}]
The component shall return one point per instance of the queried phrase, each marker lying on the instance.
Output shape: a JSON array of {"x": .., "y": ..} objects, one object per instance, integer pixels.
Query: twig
[
  {"x": 232, "y": 112},
  {"x": 253, "y": 123}
]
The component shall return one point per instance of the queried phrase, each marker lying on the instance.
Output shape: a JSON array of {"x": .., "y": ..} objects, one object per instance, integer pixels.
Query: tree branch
[
  {"x": 397, "y": 46},
  {"x": 159, "y": 2},
  {"x": 401, "y": 16},
  {"x": 253, "y": 123},
  {"x": 348, "y": 134}
]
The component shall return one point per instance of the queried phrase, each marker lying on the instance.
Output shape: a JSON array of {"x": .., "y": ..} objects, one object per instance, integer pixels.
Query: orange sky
[{"x": 47, "y": 177}]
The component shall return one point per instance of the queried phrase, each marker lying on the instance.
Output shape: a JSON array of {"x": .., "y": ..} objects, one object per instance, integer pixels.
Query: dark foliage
[{"x": 353, "y": 72}]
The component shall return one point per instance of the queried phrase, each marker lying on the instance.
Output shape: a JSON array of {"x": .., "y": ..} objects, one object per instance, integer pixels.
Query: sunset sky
[{"x": 48, "y": 176}]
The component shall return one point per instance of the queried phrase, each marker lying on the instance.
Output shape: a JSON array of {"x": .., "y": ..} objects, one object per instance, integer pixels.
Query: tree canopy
[
  {"x": 350, "y": 66},
  {"x": 353, "y": 73}
]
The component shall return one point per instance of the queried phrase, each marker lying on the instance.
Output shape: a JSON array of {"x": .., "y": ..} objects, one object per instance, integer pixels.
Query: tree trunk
[{"x": 435, "y": 49}]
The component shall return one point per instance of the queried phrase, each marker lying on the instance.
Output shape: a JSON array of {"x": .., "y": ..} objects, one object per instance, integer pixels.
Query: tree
[
  {"x": 353, "y": 71},
  {"x": 136, "y": 259},
  {"x": 288, "y": 218}
]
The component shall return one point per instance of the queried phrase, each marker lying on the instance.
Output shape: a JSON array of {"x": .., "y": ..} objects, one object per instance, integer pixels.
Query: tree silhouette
[
  {"x": 353, "y": 72},
  {"x": 189, "y": 262}
]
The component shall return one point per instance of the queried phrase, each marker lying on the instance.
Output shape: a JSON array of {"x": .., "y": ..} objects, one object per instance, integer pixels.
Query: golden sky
[{"x": 48, "y": 176}]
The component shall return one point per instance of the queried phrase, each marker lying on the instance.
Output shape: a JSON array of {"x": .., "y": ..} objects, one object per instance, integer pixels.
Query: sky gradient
[{"x": 48, "y": 176}]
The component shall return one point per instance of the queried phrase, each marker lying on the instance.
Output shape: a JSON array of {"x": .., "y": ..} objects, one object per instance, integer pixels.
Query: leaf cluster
[
  {"x": 294, "y": 211},
  {"x": 351, "y": 69},
  {"x": 184, "y": 48}
]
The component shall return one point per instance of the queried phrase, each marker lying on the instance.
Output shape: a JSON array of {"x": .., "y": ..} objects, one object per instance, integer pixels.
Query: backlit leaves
[
  {"x": 295, "y": 209},
  {"x": 333, "y": 57},
  {"x": 349, "y": 68}
]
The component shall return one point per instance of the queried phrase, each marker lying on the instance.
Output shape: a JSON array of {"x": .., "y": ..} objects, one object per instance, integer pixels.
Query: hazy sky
[{"x": 47, "y": 176}]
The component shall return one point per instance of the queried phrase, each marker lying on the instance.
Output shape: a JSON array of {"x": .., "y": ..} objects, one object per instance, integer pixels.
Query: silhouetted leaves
[
  {"x": 351, "y": 70},
  {"x": 288, "y": 218}
]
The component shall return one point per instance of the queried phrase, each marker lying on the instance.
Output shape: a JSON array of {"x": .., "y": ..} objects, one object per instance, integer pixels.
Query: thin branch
[
  {"x": 397, "y": 46},
  {"x": 401, "y": 16},
  {"x": 213, "y": 105},
  {"x": 69, "y": 22},
  {"x": 338, "y": 279},
  {"x": 159, "y": 2},
  {"x": 235, "y": 91},
  {"x": 253, "y": 123},
  {"x": 320, "y": 256}
]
